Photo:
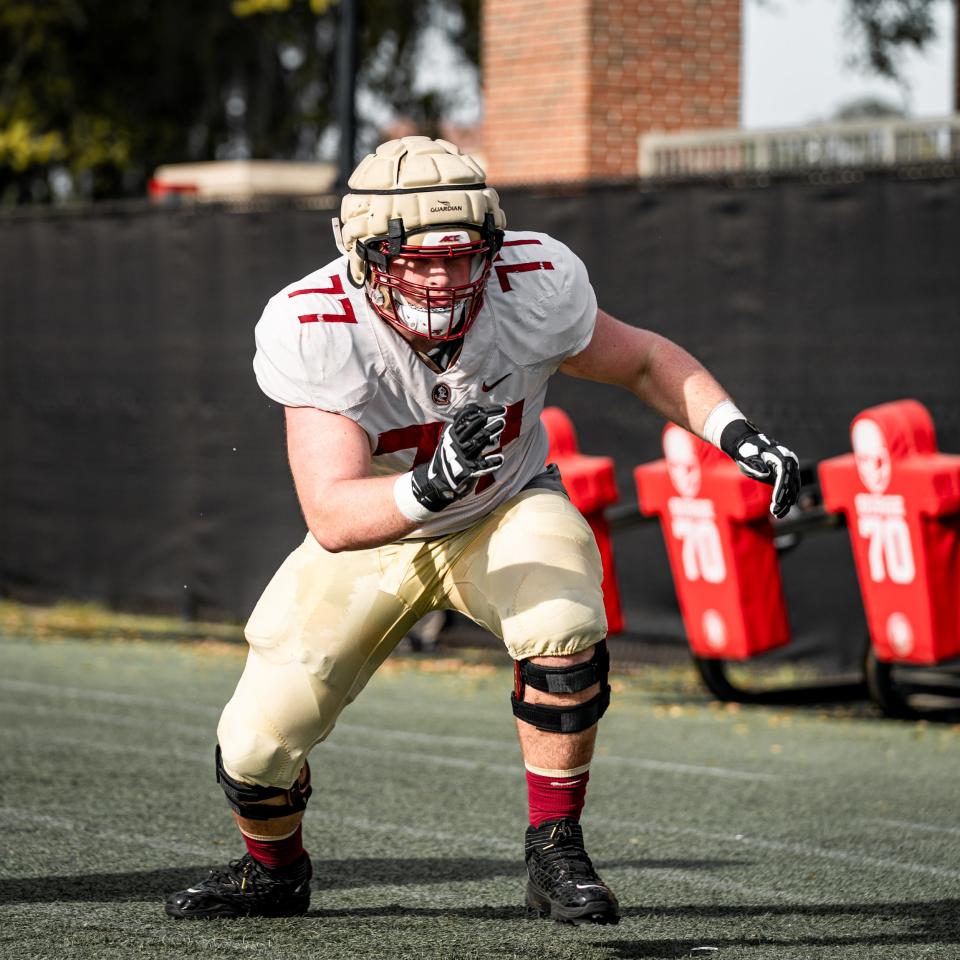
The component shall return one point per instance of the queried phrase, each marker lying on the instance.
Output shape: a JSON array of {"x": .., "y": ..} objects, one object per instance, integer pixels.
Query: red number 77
[{"x": 425, "y": 436}]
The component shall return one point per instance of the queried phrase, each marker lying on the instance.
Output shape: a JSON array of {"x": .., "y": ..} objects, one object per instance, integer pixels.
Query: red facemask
[{"x": 415, "y": 301}]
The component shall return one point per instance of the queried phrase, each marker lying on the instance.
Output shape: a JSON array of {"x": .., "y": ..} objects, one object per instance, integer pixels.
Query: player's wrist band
[
  {"x": 720, "y": 417},
  {"x": 407, "y": 503}
]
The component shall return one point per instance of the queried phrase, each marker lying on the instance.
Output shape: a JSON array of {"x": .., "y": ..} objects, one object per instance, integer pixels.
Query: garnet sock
[
  {"x": 552, "y": 795},
  {"x": 274, "y": 854}
]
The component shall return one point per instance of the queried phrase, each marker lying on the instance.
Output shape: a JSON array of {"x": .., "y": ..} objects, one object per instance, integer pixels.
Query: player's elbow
[
  {"x": 325, "y": 515},
  {"x": 332, "y": 540},
  {"x": 336, "y": 536}
]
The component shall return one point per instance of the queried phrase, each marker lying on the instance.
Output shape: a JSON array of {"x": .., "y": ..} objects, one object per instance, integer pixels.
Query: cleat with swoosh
[
  {"x": 245, "y": 888},
  {"x": 562, "y": 883}
]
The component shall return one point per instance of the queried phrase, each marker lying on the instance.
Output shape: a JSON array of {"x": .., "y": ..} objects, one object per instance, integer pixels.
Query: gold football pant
[{"x": 529, "y": 572}]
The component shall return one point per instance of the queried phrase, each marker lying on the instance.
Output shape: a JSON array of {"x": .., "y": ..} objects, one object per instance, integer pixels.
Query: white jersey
[{"x": 319, "y": 345}]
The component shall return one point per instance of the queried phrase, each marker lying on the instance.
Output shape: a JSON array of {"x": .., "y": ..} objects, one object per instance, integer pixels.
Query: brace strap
[
  {"x": 569, "y": 719},
  {"x": 246, "y": 798},
  {"x": 571, "y": 679}
]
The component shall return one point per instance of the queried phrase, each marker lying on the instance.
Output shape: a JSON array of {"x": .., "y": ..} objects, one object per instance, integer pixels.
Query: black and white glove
[
  {"x": 765, "y": 460},
  {"x": 461, "y": 457}
]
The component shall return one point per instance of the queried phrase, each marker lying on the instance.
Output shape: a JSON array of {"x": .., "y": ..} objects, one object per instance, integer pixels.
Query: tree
[
  {"x": 95, "y": 94},
  {"x": 98, "y": 90},
  {"x": 884, "y": 28}
]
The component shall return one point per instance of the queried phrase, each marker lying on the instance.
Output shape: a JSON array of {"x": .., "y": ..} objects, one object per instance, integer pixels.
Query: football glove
[
  {"x": 461, "y": 457},
  {"x": 765, "y": 460}
]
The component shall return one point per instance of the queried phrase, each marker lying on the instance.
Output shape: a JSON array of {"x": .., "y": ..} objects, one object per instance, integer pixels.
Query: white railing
[{"x": 869, "y": 143}]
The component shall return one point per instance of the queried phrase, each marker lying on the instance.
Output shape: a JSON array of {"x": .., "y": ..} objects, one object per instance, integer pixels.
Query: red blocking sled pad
[
  {"x": 901, "y": 498},
  {"x": 717, "y": 527},
  {"x": 591, "y": 484}
]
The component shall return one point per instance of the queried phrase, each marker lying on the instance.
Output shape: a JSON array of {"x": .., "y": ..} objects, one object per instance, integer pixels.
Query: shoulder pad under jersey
[
  {"x": 541, "y": 296},
  {"x": 315, "y": 347}
]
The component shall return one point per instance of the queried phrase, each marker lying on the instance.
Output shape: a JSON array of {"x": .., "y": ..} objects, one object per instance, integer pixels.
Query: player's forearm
[
  {"x": 678, "y": 386},
  {"x": 355, "y": 514},
  {"x": 347, "y": 509}
]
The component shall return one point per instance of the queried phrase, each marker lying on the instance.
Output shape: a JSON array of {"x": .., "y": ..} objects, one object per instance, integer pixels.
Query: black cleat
[
  {"x": 562, "y": 883},
  {"x": 246, "y": 889}
]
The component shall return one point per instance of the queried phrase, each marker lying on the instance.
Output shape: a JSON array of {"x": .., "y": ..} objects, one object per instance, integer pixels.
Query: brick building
[{"x": 569, "y": 86}]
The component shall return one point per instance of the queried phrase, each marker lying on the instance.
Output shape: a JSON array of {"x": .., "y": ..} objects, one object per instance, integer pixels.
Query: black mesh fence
[{"x": 142, "y": 467}]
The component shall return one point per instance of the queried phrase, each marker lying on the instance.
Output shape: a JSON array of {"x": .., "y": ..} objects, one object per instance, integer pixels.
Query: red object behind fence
[
  {"x": 716, "y": 523},
  {"x": 901, "y": 498},
  {"x": 592, "y": 487}
]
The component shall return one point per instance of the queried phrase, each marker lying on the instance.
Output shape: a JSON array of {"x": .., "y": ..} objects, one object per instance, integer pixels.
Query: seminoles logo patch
[{"x": 441, "y": 395}]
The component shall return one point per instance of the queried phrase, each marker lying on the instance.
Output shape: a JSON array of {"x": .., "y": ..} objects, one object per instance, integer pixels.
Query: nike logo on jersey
[{"x": 486, "y": 388}]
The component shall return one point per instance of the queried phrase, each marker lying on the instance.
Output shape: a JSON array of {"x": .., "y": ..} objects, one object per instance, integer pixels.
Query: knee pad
[
  {"x": 246, "y": 799},
  {"x": 567, "y": 679}
]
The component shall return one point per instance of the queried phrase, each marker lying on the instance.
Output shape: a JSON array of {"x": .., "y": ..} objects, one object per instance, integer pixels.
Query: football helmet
[{"x": 413, "y": 205}]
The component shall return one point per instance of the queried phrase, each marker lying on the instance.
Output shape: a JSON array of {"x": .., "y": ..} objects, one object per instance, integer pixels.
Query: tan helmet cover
[{"x": 451, "y": 193}]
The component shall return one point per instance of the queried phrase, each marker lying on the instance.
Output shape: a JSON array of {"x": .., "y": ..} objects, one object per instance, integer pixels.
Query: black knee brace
[
  {"x": 246, "y": 798},
  {"x": 571, "y": 679}
]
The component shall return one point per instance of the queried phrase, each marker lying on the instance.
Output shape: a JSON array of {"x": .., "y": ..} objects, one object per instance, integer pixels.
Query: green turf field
[{"x": 728, "y": 833}]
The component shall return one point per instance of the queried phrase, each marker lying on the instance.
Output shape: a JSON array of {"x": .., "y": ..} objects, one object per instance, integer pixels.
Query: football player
[{"x": 413, "y": 370}]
